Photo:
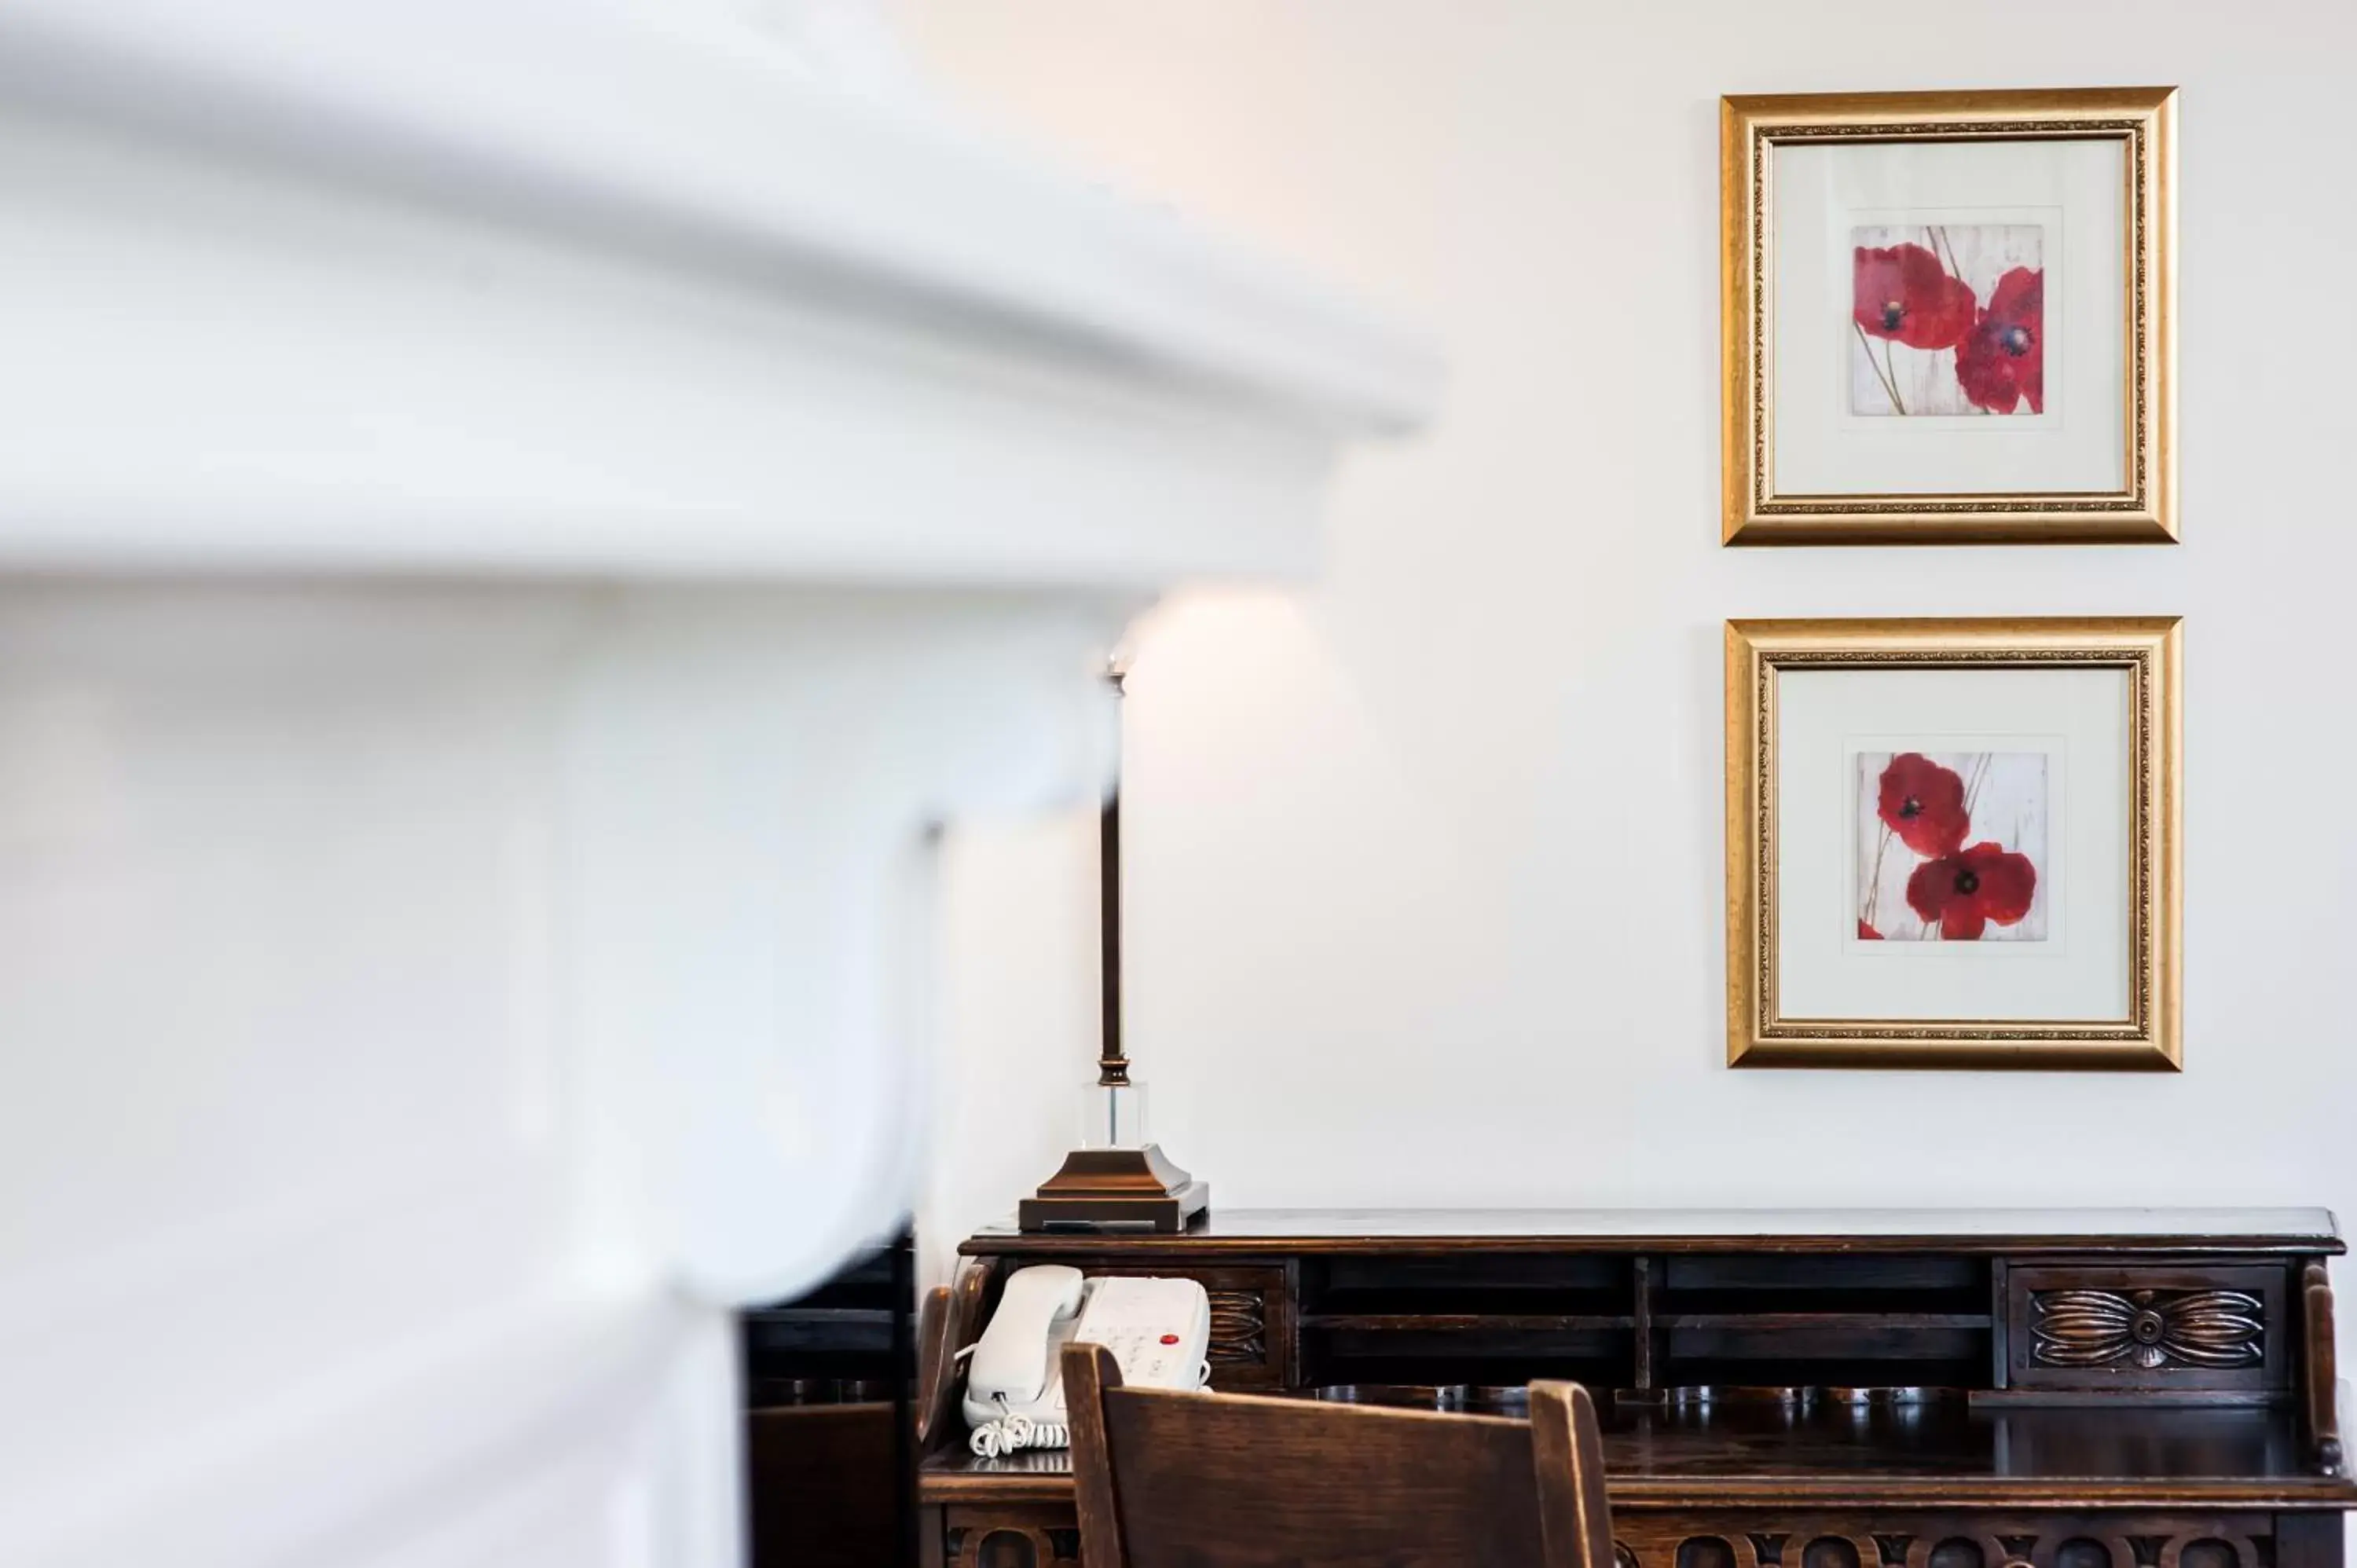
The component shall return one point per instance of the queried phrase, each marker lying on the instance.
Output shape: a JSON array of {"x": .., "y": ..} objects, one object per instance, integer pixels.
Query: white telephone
[{"x": 1158, "y": 1330}]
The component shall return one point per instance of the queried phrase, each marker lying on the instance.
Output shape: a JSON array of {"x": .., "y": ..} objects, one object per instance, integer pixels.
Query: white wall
[
  {"x": 1425, "y": 877},
  {"x": 1018, "y": 1007}
]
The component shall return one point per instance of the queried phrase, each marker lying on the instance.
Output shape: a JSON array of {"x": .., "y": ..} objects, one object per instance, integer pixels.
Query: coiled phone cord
[{"x": 1009, "y": 1433}]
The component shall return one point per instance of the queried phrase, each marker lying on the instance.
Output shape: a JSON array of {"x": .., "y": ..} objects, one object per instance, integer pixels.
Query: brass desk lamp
[{"x": 1117, "y": 1179}]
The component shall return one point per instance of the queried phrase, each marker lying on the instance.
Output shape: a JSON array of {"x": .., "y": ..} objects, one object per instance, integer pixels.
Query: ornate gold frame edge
[
  {"x": 2149, "y": 648},
  {"x": 2144, "y": 511}
]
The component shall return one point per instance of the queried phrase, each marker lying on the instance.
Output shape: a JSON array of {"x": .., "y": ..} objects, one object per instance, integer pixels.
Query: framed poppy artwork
[
  {"x": 1948, "y": 316},
  {"x": 1952, "y": 843}
]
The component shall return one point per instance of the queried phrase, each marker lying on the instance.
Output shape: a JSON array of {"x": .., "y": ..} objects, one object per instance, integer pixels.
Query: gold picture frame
[
  {"x": 1761, "y": 652},
  {"x": 2142, "y": 509}
]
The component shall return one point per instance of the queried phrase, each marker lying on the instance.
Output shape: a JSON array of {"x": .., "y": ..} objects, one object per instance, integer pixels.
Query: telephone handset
[{"x": 1158, "y": 1330}]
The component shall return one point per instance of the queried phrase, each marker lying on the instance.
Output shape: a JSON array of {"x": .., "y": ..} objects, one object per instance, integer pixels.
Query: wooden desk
[{"x": 1941, "y": 1389}]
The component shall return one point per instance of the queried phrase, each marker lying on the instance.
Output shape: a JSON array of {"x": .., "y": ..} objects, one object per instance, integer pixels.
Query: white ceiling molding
[{"x": 519, "y": 521}]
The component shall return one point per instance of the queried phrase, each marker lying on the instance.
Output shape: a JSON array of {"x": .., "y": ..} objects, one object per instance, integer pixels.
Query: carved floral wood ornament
[
  {"x": 2148, "y": 1328},
  {"x": 1239, "y": 1327}
]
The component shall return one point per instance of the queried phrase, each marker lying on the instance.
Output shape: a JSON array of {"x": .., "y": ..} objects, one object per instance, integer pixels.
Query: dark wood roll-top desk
[{"x": 1935, "y": 1388}]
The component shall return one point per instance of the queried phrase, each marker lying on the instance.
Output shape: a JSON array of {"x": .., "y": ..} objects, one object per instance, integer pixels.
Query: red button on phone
[{"x": 1171, "y": 1340}]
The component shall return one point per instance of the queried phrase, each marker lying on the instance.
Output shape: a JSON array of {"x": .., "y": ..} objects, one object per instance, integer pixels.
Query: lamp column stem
[
  {"x": 1126, "y": 1182},
  {"x": 1113, "y": 1066}
]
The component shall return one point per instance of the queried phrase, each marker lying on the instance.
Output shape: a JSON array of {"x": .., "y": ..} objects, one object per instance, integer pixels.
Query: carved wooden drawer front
[
  {"x": 2209, "y": 1329},
  {"x": 1252, "y": 1326},
  {"x": 1010, "y": 1536},
  {"x": 1964, "y": 1539}
]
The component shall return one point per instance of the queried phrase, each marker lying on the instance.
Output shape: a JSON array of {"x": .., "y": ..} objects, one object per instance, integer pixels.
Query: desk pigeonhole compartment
[
  {"x": 1467, "y": 1318},
  {"x": 1814, "y": 1321}
]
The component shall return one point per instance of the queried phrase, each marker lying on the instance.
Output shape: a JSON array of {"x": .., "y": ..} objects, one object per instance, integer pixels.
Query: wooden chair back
[
  {"x": 1176, "y": 1480},
  {"x": 938, "y": 1325}
]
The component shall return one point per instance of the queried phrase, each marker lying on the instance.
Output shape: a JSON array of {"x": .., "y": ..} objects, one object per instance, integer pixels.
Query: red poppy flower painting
[
  {"x": 1959, "y": 895},
  {"x": 1923, "y": 804},
  {"x": 1947, "y": 318},
  {"x": 2002, "y": 360},
  {"x": 1950, "y": 846},
  {"x": 1904, "y": 293}
]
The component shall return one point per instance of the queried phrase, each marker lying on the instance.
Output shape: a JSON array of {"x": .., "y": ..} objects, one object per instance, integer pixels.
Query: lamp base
[{"x": 1116, "y": 1189}]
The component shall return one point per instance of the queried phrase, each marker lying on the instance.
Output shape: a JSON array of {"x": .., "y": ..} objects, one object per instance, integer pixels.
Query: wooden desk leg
[
  {"x": 931, "y": 1528},
  {"x": 2308, "y": 1540}
]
